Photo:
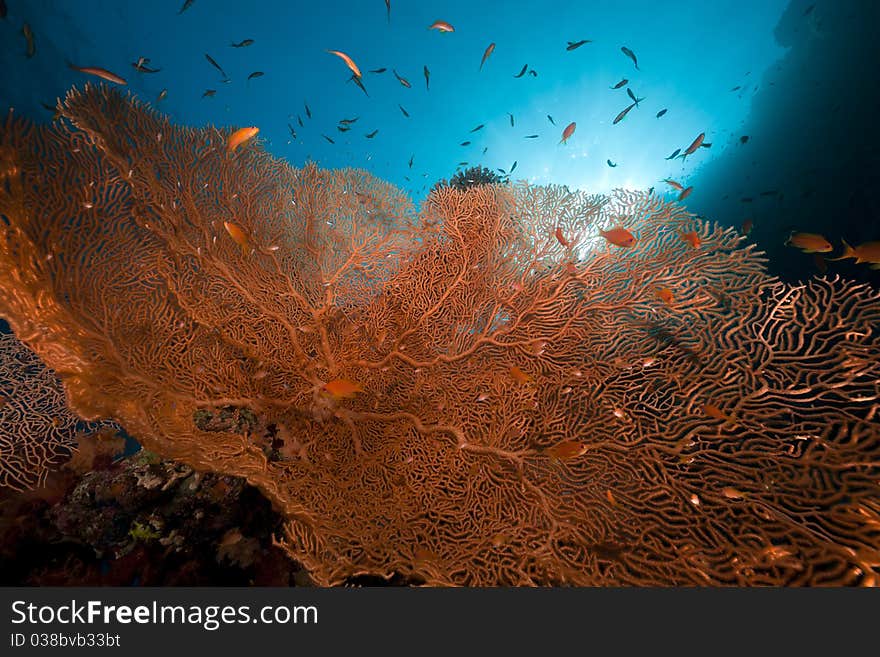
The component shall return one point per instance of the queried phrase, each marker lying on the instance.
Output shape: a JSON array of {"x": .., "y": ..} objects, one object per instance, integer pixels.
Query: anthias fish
[
  {"x": 102, "y": 73},
  {"x": 441, "y": 26},
  {"x": 661, "y": 113},
  {"x": 809, "y": 242},
  {"x": 348, "y": 61},
  {"x": 240, "y": 136},
  {"x": 489, "y": 50},
  {"x": 620, "y": 84},
  {"x": 619, "y": 236},
  {"x": 568, "y": 132},
  {"x": 574, "y": 45},
  {"x": 620, "y": 117},
  {"x": 629, "y": 53},
  {"x": 522, "y": 72},
  {"x": 866, "y": 252},
  {"x": 215, "y": 65}
]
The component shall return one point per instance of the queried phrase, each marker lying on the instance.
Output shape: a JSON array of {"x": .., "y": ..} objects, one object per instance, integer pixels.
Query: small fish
[
  {"x": 327, "y": 138},
  {"x": 348, "y": 61},
  {"x": 162, "y": 95},
  {"x": 619, "y": 236},
  {"x": 691, "y": 238},
  {"x": 465, "y": 143},
  {"x": 685, "y": 193},
  {"x": 665, "y": 295},
  {"x": 533, "y": 73},
  {"x": 675, "y": 185},
  {"x": 706, "y": 144},
  {"x": 674, "y": 154},
  {"x": 489, "y": 50},
  {"x": 809, "y": 243},
  {"x": 866, "y": 252},
  {"x": 239, "y": 236},
  {"x": 610, "y": 163},
  {"x": 550, "y": 118},
  {"x": 359, "y": 83},
  {"x": 343, "y": 128},
  {"x": 620, "y": 117},
  {"x": 635, "y": 100},
  {"x": 308, "y": 111},
  {"x": 427, "y": 75},
  {"x": 695, "y": 144},
  {"x": 242, "y": 44},
  {"x": 240, "y": 136},
  {"x": 342, "y": 388},
  {"x": 744, "y": 139},
  {"x": 141, "y": 66},
  {"x": 388, "y": 10},
  {"x": 620, "y": 84},
  {"x": 560, "y": 237},
  {"x": 531, "y": 136},
  {"x": 479, "y": 127},
  {"x": 574, "y": 45},
  {"x": 186, "y": 5},
  {"x": 209, "y": 93},
  {"x": 349, "y": 121},
  {"x": 522, "y": 72},
  {"x": 441, "y": 26},
  {"x": 292, "y": 131},
  {"x": 255, "y": 74},
  {"x": 519, "y": 376},
  {"x": 411, "y": 158},
  {"x": 511, "y": 118},
  {"x": 736, "y": 88},
  {"x": 102, "y": 73},
  {"x": 30, "y": 48},
  {"x": 714, "y": 412},
  {"x": 565, "y": 450},
  {"x": 216, "y": 65},
  {"x": 629, "y": 53},
  {"x": 661, "y": 113},
  {"x": 299, "y": 121},
  {"x": 746, "y": 227},
  {"x": 370, "y": 135},
  {"x": 401, "y": 79},
  {"x": 568, "y": 132},
  {"x": 512, "y": 168},
  {"x": 378, "y": 70},
  {"x": 485, "y": 148},
  {"x": 405, "y": 113}
]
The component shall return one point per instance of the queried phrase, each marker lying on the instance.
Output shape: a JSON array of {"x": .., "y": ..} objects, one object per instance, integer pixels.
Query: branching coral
[{"x": 725, "y": 435}]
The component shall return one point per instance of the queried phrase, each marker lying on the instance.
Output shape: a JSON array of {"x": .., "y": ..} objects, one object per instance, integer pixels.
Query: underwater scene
[{"x": 439, "y": 293}]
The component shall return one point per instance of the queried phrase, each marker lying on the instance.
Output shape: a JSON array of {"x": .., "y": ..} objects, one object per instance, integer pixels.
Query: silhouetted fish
[
  {"x": 622, "y": 115},
  {"x": 610, "y": 163},
  {"x": 623, "y": 82},
  {"x": 744, "y": 139},
  {"x": 328, "y": 138},
  {"x": 216, "y": 65},
  {"x": 522, "y": 72},
  {"x": 674, "y": 153},
  {"x": 661, "y": 113},
  {"x": 405, "y": 113},
  {"x": 378, "y": 70},
  {"x": 370, "y": 135},
  {"x": 531, "y": 137},
  {"x": 573, "y": 45},
  {"x": 242, "y": 44},
  {"x": 186, "y": 5},
  {"x": 629, "y": 53},
  {"x": 255, "y": 74},
  {"x": 427, "y": 74},
  {"x": 551, "y": 119},
  {"x": 479, "y": 127}
]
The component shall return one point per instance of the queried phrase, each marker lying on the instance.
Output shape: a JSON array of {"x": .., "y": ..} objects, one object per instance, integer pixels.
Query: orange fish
[
  {"x": 342, "y": 388},
  {"x": 665, "y": 295},
  {"x": 441, "y": 26},
  {"x": 747, "y": 226},
  {"x": 519, "y": 376},
  {"x": 809, "y": 243},
  {"x": 618, "y": 236},
  {"x": 561, "y": 238},
  {"x": 695, "y": 144},
  {"x": 568, "y": 132},
  {"x": 713, "y": 411},
  {"x": 865, "y": 252},
  {"x": 239, "y": 236},
  {"x": 685, "y": 193},
  {"x": 240, "y": 136},
  {"x": 673, "y": 184},
  {"x": 732, "y": 493},
  {"x": 567, "y": 449},
  {"x": 100, "y": 72},
  {"x": 610, "y": 497},
  {"x": 348, "y": 62},
  {"x": 486, "y": 54},
  {"x": 691, "y": 238}
]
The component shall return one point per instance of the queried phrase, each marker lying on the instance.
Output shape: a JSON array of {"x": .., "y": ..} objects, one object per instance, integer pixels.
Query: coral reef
[{"x": 481, "y": 392}]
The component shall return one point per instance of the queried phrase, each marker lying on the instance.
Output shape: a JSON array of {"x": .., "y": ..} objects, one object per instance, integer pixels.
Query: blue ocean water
[{"x": 779, "y": 87}]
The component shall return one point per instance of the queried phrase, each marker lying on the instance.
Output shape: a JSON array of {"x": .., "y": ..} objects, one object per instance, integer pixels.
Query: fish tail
[{"x": 848, "y": 252}]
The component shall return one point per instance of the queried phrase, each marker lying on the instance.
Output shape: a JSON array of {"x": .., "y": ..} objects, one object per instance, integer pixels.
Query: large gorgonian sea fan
[{"x": 530, "y": 413}]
